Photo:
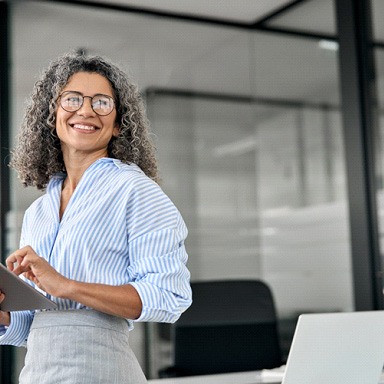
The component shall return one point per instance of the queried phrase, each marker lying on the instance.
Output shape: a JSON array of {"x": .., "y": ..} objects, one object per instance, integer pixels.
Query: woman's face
[{"x": 84, "y": 132}]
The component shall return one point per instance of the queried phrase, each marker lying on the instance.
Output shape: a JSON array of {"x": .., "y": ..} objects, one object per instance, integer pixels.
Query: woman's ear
[{"x": 116, "y": 130}]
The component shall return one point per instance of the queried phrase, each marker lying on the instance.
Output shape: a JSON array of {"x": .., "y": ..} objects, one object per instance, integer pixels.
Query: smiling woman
[
  {"x": 105, "y": 243},
  {"x": 43, "y": 157},
  {"x": 82, "y": 130}
]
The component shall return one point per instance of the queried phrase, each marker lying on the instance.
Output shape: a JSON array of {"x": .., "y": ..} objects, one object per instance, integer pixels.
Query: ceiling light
[
  {"x": 236, "y": 148},
  {"x": 330, "y": 45}
]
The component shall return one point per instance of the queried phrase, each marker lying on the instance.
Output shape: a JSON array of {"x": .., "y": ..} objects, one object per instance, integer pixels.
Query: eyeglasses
[{"x": 72, "y": 101}]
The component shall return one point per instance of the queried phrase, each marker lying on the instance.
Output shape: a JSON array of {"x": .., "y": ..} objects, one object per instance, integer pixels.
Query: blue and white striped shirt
[{"x": 118, "y": 228}]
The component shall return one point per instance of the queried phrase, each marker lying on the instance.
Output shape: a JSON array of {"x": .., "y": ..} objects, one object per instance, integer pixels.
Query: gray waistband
[{"x": 81, "y": 317}]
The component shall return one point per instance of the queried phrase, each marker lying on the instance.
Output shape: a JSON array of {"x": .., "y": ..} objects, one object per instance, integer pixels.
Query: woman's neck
[{"x": 76, "y": 165}]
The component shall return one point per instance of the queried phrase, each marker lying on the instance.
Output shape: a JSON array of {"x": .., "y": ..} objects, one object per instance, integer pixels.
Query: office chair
[{"x": 230, "y": 327}]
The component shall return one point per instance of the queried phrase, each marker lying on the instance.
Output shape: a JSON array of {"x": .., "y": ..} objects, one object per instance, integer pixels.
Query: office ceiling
[
  {"x": 248, "y": 11},
  {"x": 311, "y": 16},
  {"x": 305, "y": 15}
]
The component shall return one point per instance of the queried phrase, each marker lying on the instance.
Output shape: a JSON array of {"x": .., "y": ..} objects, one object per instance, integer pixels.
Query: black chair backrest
[{"x": 231, "y": 326}]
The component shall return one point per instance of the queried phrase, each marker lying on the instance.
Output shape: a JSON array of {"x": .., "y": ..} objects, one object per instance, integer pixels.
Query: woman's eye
[
  {"x": 73, "y": 100},
  {"x": 102, "y": 102}
]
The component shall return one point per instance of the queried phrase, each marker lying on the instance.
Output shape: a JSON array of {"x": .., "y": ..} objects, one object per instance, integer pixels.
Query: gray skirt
[{"x": 79, "y": 347}]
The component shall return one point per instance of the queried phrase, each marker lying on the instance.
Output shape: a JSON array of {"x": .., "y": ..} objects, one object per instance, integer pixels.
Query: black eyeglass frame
[{"x": 82, "y": 101}]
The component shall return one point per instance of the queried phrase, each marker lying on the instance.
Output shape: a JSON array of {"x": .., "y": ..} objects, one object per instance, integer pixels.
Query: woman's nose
[{"x": 86, "y": 108}]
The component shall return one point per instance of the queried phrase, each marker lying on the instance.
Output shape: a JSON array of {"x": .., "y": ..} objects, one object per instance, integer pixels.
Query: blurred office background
[{"x": 249, "y": 101}]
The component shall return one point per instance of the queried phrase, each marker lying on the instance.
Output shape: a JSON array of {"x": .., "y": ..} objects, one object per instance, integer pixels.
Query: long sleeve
[
  {"x": 157, "y": 254},
  {"x": 17, "y": 332}
]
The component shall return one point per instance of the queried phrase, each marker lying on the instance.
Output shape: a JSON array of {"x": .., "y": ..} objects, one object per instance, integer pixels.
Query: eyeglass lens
[{"x": 73, "y": 101}]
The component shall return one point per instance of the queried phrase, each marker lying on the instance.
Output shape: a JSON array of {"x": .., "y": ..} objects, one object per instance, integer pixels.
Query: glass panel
[
  {"x": 268, "y": 187},
  {"x": 294, "y": 70},
  {"x": 377, "y": 17},
  {"x": 379, "y": 58},
  {"x": 378, "y": 36},
  {"x": 213, "y": 179},
  {"x": 304, "y": 231}
]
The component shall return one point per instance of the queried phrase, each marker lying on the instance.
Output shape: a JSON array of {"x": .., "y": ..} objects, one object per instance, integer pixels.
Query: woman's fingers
[{"x": 20, "y": 260}]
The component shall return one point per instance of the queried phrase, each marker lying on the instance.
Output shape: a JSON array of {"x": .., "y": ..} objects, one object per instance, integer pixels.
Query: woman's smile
[{"x": 84, "y": 128}]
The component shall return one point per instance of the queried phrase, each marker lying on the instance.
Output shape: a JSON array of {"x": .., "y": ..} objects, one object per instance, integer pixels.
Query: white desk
[{"x": 253, "y": 377}]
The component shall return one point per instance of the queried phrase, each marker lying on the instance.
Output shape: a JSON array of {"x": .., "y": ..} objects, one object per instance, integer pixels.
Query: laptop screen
[{"x": 337, "y": 348}]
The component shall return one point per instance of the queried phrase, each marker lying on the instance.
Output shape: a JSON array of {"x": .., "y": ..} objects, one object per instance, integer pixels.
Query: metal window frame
[
  {"x": 359, "y": 112},
  {"x": 6, "y": 352}
]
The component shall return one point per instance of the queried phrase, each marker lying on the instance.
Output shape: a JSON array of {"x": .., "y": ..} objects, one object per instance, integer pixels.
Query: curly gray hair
[{"x": 37, "y": 155}]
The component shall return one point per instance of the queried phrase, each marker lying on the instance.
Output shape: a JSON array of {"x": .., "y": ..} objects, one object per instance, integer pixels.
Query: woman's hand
[
  {"x": 123, "y": 300},
  {"x": 35, "y": 268},
  {"x": 5, "y": 317}
]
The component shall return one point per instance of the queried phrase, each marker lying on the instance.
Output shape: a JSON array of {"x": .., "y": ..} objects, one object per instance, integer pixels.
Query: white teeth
[{"x": 85, "y": 127}]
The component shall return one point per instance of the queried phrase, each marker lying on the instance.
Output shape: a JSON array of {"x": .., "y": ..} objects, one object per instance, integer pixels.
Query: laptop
[
  {"x": 19, "y": 295},
  {"x": 337, "y": 348}
]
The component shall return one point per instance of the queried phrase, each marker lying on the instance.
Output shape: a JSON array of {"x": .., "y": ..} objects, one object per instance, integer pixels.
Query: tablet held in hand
[{"x": 19, "y": 295}]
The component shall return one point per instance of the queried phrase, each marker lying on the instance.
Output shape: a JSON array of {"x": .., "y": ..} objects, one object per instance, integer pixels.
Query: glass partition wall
[
  {"x": 265, "y": 197},
  {"x": 250, "y": 145},
  {"x": 263, "y": 190},
  {"x": 378, "y": 36}
]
